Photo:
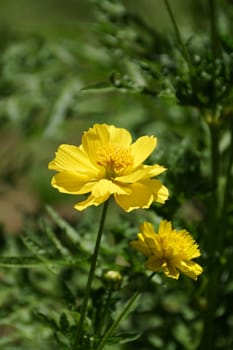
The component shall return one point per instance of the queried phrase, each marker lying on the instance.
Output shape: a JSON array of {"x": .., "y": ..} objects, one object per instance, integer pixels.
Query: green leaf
[
  {"x": 63, "y": 224},
  {"x": 46, "y": 320},
  {"x": 68, "y": 295},
  {"x": 22, "y": 262},
  {"x": 122, "y": 338},
  {"x": 30, "y": 262},
  {"x": 39, "y": 252},
  {"x": 64, "y": 323},
  {"x": 102, "y": 86},
  {"x": 57, "y": 243},
  {"x": 61, "y": 106},
  {"x": 132, "y": 307},
  {"x": 183, "y": 334},
  {"x": 128, "y": 337},
  {"x": 62, "y": 340}
]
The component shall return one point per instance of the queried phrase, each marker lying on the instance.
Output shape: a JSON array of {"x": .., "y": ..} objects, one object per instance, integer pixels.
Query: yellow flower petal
[
  {"x": 104, "y": 186},
  {"x": 72, "y": 183},
  {"x": 154, "y": 170},
  {"x": 146, "y": 243},
  {"x": 140, "y": 197},
  {"x": 191, "y": 269},
  {"x": 170, "y": 270},
  {"x": 154, "y": 263},
  {"x": 142, "y": 148},
  {"x": 134, "y": 176},
  {"x": 141, "y": 247},
  {"x": 72, "y": 158},
  {"x": 91, "y": 200},
  {"x": 165, "y": 228},
  {"x": 159, "y": 191},
  {"x": 102, "y": 135},
  {"x": 147, "y": 229},
  {"x": 120, "y": 137}
]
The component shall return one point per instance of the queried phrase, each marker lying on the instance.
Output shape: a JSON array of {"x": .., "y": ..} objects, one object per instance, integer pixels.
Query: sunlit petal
[
  {"x": 165, "y": 228},
  {"x": 170, "y": 270},
  {"x": 142, "y": 247},
  {"x": 148, "y": 229},
  {"x": 153, "y": 170},
  {"x": 72, "y": 158},
  {"x": 120, "y": 137},
  {"x": 142, "y": 148},
  {"x": 134, "y": 176},
  {"x": 72, "y": 183},
  {"x": 91, "y": 200},
  {"x": 103, "y": 135},
  {"x": 140, "y": 197},
  {"x": 160, "y": 192},
  {"x": 191, "y": 269},
  {"x": 104, "y": 186}
]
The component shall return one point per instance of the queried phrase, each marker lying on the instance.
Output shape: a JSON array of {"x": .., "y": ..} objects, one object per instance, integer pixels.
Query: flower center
[{"x": 114, "y": 159}]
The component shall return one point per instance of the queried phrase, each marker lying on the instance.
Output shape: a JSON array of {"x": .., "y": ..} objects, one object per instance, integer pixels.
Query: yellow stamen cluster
[{"x": 114, "y": 159}]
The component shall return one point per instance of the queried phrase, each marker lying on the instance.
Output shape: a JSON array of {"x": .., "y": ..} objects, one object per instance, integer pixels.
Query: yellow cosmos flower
[
  {"x": 168, "y": 250},
  {"x": 108, "y": 163}
]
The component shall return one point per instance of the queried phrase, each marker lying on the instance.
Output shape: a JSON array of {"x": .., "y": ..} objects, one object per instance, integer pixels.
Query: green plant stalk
[
  {"x": 103, "y": 313},
  {"x": 90, "y": 276},
  {"x": 228, "y": 184},
  {"x": 223, "y": 217},
  {"x": 213, "y": 26},
  {"x": 214, "y": 215},
  {"x": 178, "y": 37},
  {"x": 207, "y": 338},
  {"x": 215, "y": 201},
  {"x": 214, "y": 43},
  {"x": 126, "y": 308}
]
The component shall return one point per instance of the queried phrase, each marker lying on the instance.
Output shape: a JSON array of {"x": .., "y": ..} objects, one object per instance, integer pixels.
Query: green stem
[
  {"x": 104, "y": 313},
  {"x": 214, "y": 44},
  {"x": 178, "y": 37},
  {"x": 214, "y": 205},
  {"x": 228, "y": 183},
  {"x": 91, "y": 276},
  {"x": 217, "y": 227},
  {"x": 212, "y": 245},
  {"x": 227, "y": 191},
  {"x": 126, "y": 308},
  {"x": 213, "y": 23}
]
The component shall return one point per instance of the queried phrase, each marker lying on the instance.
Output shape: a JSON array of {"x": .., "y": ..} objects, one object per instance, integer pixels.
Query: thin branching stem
[
  {"x": 91, "y": 276},
  {"x": 214, "y": 216},
  {"x": 102, "y": 324},
  {"x": 124, "y": 311},
  {"x": 212, "y": 242},
  {"x": 214, "y": 44},
  {"x": 178, "y": 37},
  {"x": 227, "y": 191}
]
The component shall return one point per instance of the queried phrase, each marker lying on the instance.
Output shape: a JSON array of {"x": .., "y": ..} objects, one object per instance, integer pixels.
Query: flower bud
[{"x": 113, "y": 279}]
